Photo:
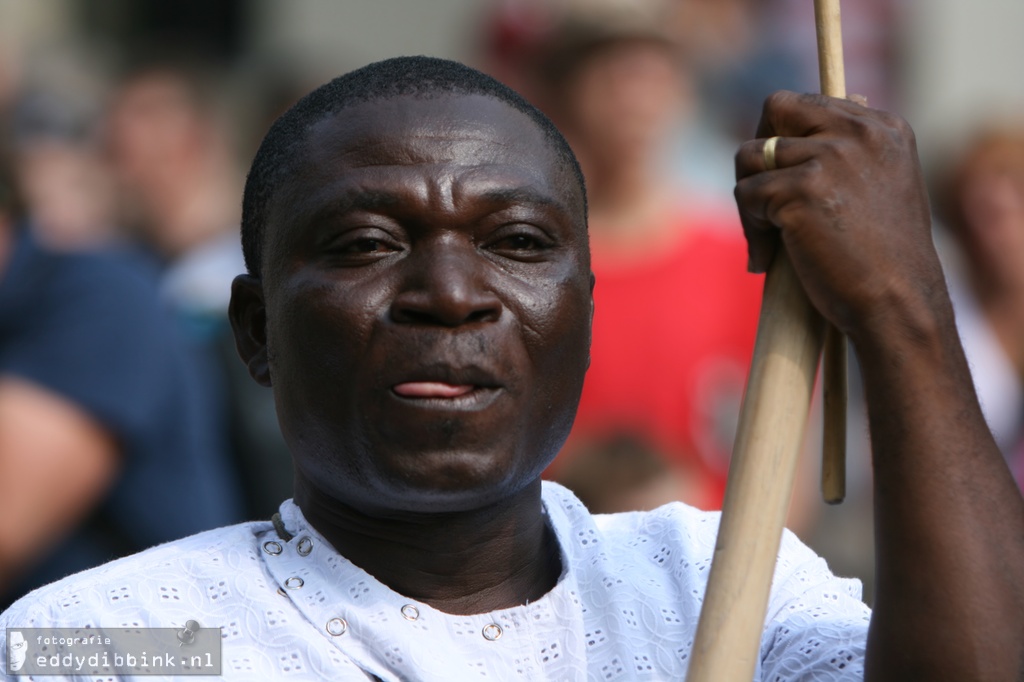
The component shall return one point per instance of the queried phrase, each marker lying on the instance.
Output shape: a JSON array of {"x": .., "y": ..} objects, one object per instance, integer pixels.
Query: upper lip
[{"x": 470, "y": 375}]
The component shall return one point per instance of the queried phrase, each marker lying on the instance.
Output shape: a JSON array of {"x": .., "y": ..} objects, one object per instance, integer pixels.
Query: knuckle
[
  {"x": 896, "y": 129},
  {"x": 777, "y": 101},
  {"x": 862, "y": 124},
  {"x": 819, "y": 100},
  {"x": 748, "y": 158},
  {"x": 785, "y": 212},
  {"x": 903, "y": 129},
  {"x": 811, "y": 180},
  {"x": 740, "y": 159},
  {"x": 895, "y": 121},
  {"x": 742, "y": 193}
]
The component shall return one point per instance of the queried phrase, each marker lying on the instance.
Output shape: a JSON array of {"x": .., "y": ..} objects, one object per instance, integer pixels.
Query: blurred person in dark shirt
[
  {"x": 64, "y": 179},
  {"x": 169, "y": 143},
  {"x": 106, "y": 444}
]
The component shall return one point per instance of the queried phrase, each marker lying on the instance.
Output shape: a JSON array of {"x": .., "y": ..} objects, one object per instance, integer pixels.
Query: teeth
[{"x": 431, "y": 389}]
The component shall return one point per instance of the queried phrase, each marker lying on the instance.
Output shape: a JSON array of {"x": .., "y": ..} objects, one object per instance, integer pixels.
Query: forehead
[
  {"x": 473, "y": 125},
  {"x": 443, "y": 137}
]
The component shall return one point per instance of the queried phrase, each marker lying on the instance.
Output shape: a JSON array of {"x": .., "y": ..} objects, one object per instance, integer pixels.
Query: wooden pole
[
  {"x": 773, "y": 419},
  {"x": 768, "y": 443},
  {"x": 835, "y": 380}
]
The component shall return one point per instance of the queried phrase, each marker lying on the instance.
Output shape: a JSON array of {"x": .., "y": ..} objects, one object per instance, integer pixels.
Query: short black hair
[{"x": 420, "y": 77}]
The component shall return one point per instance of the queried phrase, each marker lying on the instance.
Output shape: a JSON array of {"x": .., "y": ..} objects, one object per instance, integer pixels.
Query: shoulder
[
  {"x": 109, "y": 292},
  {"x": 91, "y": 328},
  {"x": 675, "y": 532},
  {"x": 675, "y": 538},
  {"x": 154, "y": 588},
  {"x": 653, "y": 567},
  {"x": 110, "y": 271}
]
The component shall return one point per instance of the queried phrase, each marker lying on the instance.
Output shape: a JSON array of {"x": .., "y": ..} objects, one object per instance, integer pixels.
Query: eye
[
  {"x": 366, "y": 245},
  {"x": 521, "y": 242},
  {"x": 361, "y": 246}
]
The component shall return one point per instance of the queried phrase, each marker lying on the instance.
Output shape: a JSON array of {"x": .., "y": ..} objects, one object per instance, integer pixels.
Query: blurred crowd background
[{"x": 126, "y": 127}]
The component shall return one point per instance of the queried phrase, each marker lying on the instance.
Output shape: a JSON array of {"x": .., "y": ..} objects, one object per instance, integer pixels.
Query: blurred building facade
[{"x": 958, "y": 57}]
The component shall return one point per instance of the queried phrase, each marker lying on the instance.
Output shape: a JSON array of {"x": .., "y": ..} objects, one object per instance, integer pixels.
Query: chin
[{"x": 459, "y": 482}]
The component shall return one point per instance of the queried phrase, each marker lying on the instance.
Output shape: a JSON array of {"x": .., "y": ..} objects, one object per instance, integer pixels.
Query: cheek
[
  {"x": 319, "y": 329},
  {"x": 560, "y": 348},
  {"x": 556, "y": 319}
]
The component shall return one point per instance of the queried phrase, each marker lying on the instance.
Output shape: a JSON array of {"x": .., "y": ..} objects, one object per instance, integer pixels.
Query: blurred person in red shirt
[{"x": 615, "y": 82}]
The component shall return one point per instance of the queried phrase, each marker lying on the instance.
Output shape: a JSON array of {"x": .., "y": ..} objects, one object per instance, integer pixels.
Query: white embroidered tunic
[{"x": 625, "y": 608}]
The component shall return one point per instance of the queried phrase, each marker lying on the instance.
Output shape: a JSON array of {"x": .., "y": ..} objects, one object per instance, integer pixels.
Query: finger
[
  {"x": 789, "y": 151},
  {"x": 752, "y": 196},
  {"x": 762, "y": 243},
  {"x": 771, "y": 204},
  {"x": 792, "y": 114},
  {"x": 858, "y": 99}
]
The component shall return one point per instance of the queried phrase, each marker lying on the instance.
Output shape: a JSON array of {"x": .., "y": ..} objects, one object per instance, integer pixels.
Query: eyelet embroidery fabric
[{"x": 625, "y": 608}]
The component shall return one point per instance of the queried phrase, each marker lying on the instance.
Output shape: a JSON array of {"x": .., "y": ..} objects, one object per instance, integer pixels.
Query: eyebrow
[
  {"x": 368, "y": 200},
  {"x": 374, "y": 200},
  {"x": 350, "y": 200},
  {"x": 522, "y": 195}
]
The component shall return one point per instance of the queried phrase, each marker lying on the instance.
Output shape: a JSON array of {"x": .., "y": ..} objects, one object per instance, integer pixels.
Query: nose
[{"x": 446, "y": 285}]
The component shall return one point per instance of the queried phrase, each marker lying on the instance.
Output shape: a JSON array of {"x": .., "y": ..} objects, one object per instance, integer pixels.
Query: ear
[
  {"x": 248, "y": 315},
  {"x": 593, "y": 281}
]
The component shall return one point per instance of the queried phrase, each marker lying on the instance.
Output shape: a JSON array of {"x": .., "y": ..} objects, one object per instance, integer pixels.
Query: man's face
[{"x": 428, "y": 304}]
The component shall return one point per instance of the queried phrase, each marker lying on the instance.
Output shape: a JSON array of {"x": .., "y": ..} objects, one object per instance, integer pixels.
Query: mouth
[
  {"x": 432, "y": 389},
  {"x": 458, "y": 393}
]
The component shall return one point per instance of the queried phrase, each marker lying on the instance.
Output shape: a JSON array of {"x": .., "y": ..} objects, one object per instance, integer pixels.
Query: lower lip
[{"x": 479, "y": 397}]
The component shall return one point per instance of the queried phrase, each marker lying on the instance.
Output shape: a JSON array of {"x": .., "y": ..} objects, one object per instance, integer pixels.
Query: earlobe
[
  {"x": 593, "y": 282},
  {"x": 248, "y": 315}
]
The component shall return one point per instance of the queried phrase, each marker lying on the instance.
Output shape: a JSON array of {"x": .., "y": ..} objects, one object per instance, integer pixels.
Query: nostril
[
  {"x": 446, "y": 286},
  {"x": 413, "y": 316},
  {"x": 449, "y": 312},
  {"x": 484, "y": 315}
]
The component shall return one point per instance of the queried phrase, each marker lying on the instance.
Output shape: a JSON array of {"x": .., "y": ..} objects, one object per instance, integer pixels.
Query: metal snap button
[
  {"x": 304, "y": 546},
  {"x": 273, "y": 548},
  {"x": 337, "y": 626},
  {"x": 410, "y": 612},
  {"x": 294, "y": 582},
  {"x": 491, "y": 632}
]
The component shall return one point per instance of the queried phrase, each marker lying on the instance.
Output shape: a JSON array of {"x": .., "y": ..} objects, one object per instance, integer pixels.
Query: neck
[
  {"x": 475, "y": 561},
  {"x": 1005, "y": 312}
]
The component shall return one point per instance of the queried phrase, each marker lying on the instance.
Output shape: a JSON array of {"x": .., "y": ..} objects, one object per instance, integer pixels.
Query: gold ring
[{"x": 769, "y": 153}]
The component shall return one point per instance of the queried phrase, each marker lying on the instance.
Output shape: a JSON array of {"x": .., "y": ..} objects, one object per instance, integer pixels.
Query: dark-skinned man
[{"x": 419, "y": 297}]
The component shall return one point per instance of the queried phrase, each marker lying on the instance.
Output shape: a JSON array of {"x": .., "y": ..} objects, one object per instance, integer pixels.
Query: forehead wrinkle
[
  {"x": 401, "y": 148},
  {"x": 363, "y": 135},
  {"x": 355, "y": 198},
  {"x": 449, "y": 151}
]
